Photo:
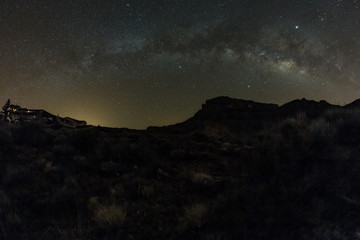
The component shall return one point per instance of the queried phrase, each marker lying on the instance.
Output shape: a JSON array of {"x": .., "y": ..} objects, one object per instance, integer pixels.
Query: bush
[
  {"x": 201, "y": 178},
  {"x": 147, "y": 191},
  {"x": 32, "y": 134},
  {"x": 195, "y": 214},
  {"x": 109, "y": 216},
  {"x": 83, "y": 140}
]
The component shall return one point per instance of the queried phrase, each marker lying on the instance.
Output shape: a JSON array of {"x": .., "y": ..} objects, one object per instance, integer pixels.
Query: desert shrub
[
  {"x": 11, "y": 222},
  {"x": 10, "y": 226},
  {"x": 164, "y": 147},
  {"x": 110, "y": 167},
  {"x": 319, "y": 130},
  {"x": 348, "y": 128},
  {"x": 338, "y": 115},
  {"x": 13, "y": 219},
  {"x": 201, "y": 178},
  {"x": 83, "y": 140},
  {"x": 204, "y": 186},
  {"x": 105, "y": 149},
  {"x": 291, "y": 130},
  {"x": 147, "y": 190},
  {"x": 130, "y": 153},
  {"x": 300, "y": 164},
  {"x": 80, "y": 160},
  {"x": 5, "y": 136},
  {"x": 63, "y": 149},
  {"x": 17, "y": 175},
  {"x": 4, "y": 202},
  {"x": 229, "y": 148},
  {"x": 331, "y": 233},
  {"x": 195, "y": 215},
  {"x": 200, "y": 137},
  {"x": 109, "y": 216},
  {"x": 179, "y": 154},
  {"x": 70, "y": 182},
  {"x": 162, "y": 173},
  {"x": 32, "y": 134},
  {"x": 116, "y": 168},
  {"x": 64, "y": 202},
  {"x": 55, "y": 173}
]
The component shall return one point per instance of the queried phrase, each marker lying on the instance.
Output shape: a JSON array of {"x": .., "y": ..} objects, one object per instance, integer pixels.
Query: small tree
[{"x": 4, "y": 113}]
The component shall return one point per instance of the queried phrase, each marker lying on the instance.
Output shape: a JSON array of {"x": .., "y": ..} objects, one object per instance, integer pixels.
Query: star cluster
[{"x": 140, "y": 63}]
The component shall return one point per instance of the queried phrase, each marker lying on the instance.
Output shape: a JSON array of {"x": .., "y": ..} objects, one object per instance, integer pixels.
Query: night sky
[{"x": 140, "y": 63}]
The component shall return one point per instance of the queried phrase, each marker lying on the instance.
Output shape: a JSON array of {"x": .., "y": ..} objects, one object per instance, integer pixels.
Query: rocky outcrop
[
  {"x": 352, "y": 105},
  {"x": 310, "y": 108},
  {"x": 238, "y": 115}
]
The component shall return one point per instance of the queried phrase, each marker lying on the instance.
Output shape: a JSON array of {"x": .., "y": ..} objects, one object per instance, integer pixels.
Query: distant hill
[
  {"x": 226, "y": 107},
  {"x": 354, "y": 104},
  {"x": 238, "y": 116},
  {"x": 311, "y": 108}
]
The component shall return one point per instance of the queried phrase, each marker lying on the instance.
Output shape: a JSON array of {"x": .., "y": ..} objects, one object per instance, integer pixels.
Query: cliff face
[
  {"x": 224, "y": 116},
  {"x": 311, "y": 108},
  {"x": 246, "y": 116},
  {"x": 225, "y": 106},
  {"x": 230, "y": 113},
  {"x": 231, "y": 104}
]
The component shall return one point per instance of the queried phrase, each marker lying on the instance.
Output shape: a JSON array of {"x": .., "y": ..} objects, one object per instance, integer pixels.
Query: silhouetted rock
[
  {"x": 354, "y": 104},
  {"x": 311, "y": 108},
  {"x": 230, "y": 114},
  {"x": 238, "y": 105},
  {"x": 237, "y": 115}
]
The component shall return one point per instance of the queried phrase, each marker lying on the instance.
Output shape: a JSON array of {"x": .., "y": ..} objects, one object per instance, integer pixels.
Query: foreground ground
[{"x": 297, "y": 177}]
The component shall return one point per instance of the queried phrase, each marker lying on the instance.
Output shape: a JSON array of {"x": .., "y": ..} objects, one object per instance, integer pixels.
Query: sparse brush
[
  {"x": 319, "y": 130},
  {"x": 179, "y": 154},
  {"x": 109, "y": 216},
  {"x": 195, "y": 214},
  {"x": 201, "y": 178},
  {"x": 83, "y": 139},
  {"x": 147, "y": 191}
]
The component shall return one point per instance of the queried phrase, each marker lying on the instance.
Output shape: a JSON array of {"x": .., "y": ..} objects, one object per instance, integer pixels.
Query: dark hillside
[
  {"x": 354, "y": 104},
  {"x": 311, "y": 108},
  {"x": 222, "y": 115}
]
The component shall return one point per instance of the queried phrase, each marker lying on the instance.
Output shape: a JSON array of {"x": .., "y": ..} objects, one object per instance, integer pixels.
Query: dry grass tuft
[
  {"x": 201, "y": 177},
  {"x": 109, "y": 216},
  {"x": 195, "y": 214}
]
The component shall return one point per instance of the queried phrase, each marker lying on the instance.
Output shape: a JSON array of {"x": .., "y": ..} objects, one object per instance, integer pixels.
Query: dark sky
[{"x": 140, "y": 63}]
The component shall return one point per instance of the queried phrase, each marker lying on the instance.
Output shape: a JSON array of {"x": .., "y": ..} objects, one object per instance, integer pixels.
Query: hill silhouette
[
  {"x": 236, "y": 170},
  {"x": 239, "y": 116},
  {"x": 354, "y": 104}
]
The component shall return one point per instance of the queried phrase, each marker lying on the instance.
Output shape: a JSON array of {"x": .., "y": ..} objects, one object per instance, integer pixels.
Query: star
[{"x": 151, "y": 54}]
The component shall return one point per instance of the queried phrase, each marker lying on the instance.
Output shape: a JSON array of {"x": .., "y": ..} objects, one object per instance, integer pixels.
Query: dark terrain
[{"x": 236, "y": 170}]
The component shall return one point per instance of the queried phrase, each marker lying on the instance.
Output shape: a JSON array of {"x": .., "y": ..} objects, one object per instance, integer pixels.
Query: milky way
[{"x": 140, "y": 63}]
